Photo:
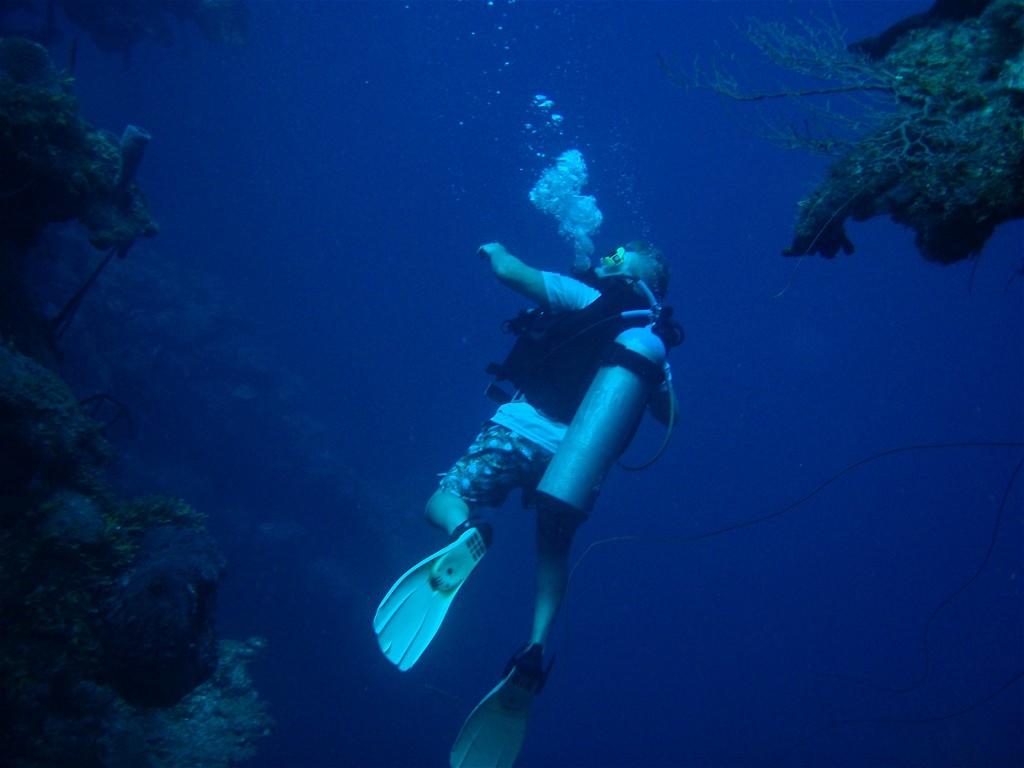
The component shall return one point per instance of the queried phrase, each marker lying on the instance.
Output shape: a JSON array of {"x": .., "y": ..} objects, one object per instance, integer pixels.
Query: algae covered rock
[
  {"x": 215, "y": 726},
  {"x": 159, "y": 636},
  {"x": 120, "y": 26},
  {"x": 108, "y": 654},
  {"x": 46, "y": 438},
  {"x": 26, "y": 62},
  {"x": 73, "y": 520},
  {"x": 948, "y": 159},
  {"x": 54, "y": 166}
]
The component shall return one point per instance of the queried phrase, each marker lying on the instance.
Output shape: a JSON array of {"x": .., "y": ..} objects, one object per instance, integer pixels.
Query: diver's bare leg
[
  {"x": 446, "y": 511},
  {"x": 554, "y": 540}
]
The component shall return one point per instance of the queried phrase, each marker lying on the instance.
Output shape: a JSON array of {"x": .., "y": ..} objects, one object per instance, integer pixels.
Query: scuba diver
[{"x": 586, "y": 364}]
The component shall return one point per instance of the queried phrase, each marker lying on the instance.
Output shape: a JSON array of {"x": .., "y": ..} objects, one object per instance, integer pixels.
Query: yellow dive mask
[{"x": 614, "y": 261}]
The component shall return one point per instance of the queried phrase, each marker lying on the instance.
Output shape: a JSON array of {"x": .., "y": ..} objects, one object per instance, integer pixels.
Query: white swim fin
[
  {"x": 412, "y": 611},
  {"x": 495, "y": 730}
]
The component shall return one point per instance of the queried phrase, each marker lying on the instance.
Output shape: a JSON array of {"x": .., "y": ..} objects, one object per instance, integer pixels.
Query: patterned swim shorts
[{"x": 497, "y": 461}]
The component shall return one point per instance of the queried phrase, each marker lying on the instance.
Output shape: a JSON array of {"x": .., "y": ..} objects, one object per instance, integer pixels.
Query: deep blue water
[{"x": 334, "y": 178}]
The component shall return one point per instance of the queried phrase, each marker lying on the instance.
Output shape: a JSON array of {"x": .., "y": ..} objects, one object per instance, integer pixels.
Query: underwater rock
[
  {"x": 159, "y": 637},
  {"x": 25, "y": 62},
  {"x": 942, "y": 11},
  {"x": 120, "y": 26},
  {"x": 948, "y": 161},
  {"x": 53, "y": 165},
  {"x": 215, "y": 726},
  {"x": 106, "y": 604},
  {"x": 73, "y": 520},
  {"x": 86, "y": 725},
  {"x": 44, "y": 437}
]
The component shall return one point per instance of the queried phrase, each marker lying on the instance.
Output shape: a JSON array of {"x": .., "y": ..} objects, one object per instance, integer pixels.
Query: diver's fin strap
[
  {"x": 530, "y": 672},
  {"x": 486, "y": 532}
]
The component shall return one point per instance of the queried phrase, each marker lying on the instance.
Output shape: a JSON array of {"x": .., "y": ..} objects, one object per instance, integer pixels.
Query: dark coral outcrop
[
  {"x": 107, "y": 603},
  {"x": 119, "y": 25},
  {"x": 160, "y": 640},
  {"x": 941, "y": 12},
  {"x": 47, "y": 440},
  {"x": 108, "y": 654},
  {"x": 948, "y": 161},
  {"x": 54, "y": 166}
]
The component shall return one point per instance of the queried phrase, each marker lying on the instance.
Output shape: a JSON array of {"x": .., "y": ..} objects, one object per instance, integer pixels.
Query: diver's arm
[{"x": 515, "y": 273}]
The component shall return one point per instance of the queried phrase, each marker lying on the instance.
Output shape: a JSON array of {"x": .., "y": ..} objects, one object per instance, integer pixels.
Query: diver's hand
[
  {"x": 503, "y": 263},
  {"x": 492, "y": 251},
  {"x": 511, "y": 271}
]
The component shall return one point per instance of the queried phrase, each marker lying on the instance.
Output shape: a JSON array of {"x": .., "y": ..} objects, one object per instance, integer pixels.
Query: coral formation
[
  {"x": 108, "y": 654},
  {"x": 46, "y": 439},
  {"x": 159, "y": 636},
  {"x": 107, "y": 603},
  {"x": 53, "y": 165},
  {"x": 215, "y": 726},
  {"x": 949, "y": 161},
  {"x": 926, "y": 121},
  {"x": 119, "y": 26},
  {"x": 942, "y": 11}
]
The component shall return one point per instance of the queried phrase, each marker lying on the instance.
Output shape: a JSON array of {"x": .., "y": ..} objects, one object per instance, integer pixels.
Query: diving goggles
[{"x": 615, "y": 261}]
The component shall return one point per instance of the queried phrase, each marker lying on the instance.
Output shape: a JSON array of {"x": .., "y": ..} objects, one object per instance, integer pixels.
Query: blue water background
[{"x": 334, "y": 178}]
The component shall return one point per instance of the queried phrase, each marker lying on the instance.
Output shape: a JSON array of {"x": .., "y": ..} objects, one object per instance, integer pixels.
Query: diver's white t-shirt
[{"x": 564, "y": 294}]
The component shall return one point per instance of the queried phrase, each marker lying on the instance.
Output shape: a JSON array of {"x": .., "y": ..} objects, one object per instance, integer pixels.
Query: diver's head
[{"x": 640, "y": 260}]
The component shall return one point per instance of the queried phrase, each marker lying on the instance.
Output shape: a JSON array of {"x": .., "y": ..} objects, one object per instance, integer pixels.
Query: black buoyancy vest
[{"x": 557, "y": 354}]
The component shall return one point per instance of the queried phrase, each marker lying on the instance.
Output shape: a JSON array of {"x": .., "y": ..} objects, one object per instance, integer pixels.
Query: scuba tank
[{"x": 606, "y": 419}]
